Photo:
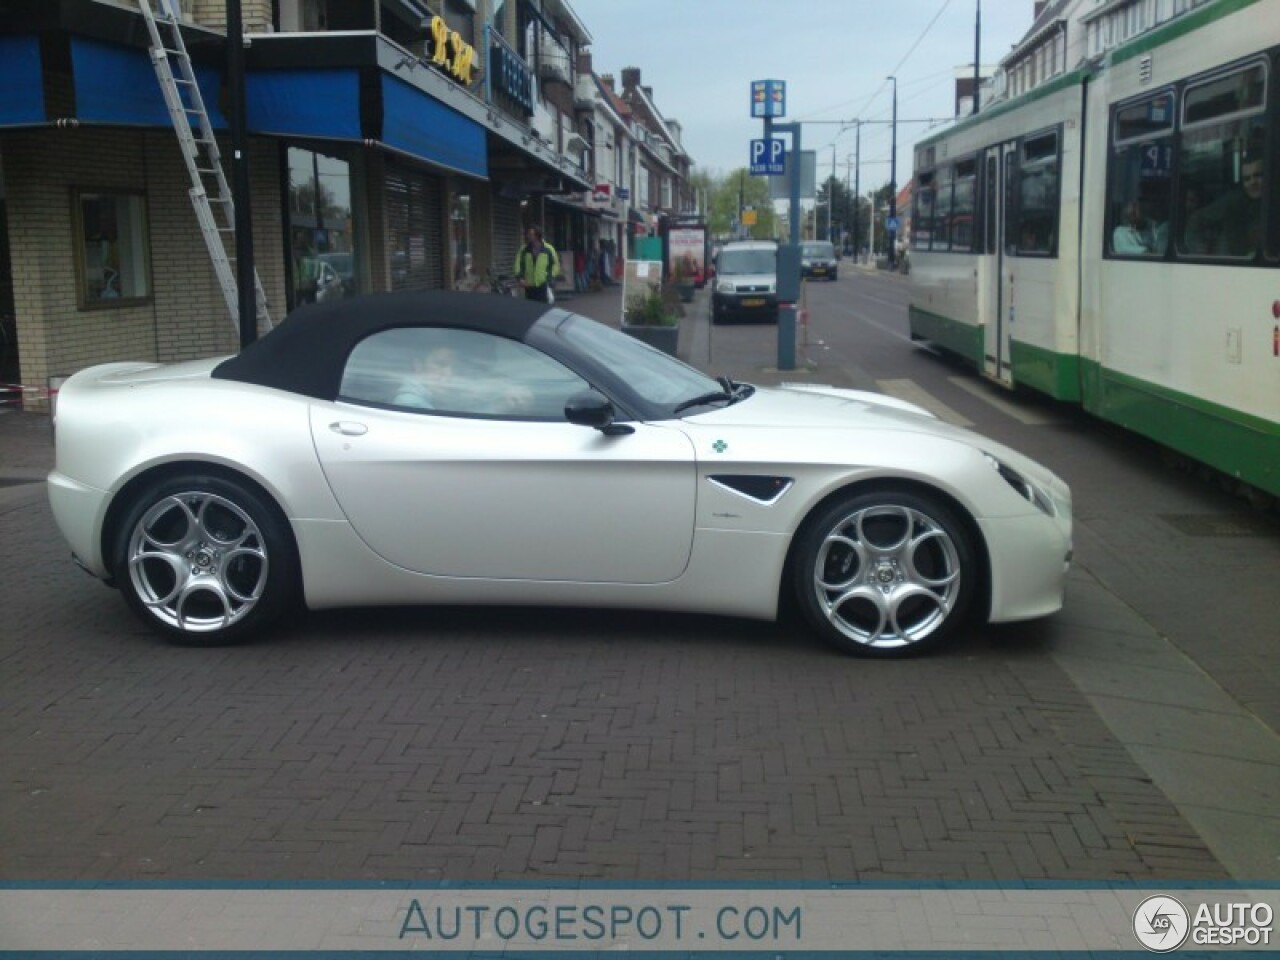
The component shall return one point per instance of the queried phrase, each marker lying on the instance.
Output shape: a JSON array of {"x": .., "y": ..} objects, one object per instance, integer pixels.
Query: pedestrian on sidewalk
[{"x": 537, "y": 266}]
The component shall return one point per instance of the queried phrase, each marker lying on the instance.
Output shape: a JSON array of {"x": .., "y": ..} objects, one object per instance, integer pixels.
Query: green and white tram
[{"x": 1113, "y": 238}]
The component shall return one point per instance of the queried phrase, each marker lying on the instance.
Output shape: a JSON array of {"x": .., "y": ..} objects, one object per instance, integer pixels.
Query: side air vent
[{"x": 765, "y": 490}]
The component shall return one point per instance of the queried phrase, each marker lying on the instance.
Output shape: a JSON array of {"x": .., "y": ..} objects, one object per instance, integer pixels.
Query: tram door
[{"x": 996, "y": 289}]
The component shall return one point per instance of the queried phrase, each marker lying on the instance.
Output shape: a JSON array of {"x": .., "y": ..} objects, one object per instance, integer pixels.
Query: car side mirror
[{"x": 591, "y": 408}]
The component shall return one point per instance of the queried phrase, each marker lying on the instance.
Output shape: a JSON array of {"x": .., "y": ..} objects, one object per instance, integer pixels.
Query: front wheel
[
  {"x": 205, "y": 560},
  {"x": 885, "y": 574}
]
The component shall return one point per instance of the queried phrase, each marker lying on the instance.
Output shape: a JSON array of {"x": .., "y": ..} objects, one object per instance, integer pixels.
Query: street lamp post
[
  {"x": 892, "y": 235},
  {"x": 831, "y": 199},
  {"x": 857, "y": 185}
]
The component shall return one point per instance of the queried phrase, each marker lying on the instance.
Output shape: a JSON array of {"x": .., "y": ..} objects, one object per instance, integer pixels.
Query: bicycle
[{"x": 504, "y": 286}]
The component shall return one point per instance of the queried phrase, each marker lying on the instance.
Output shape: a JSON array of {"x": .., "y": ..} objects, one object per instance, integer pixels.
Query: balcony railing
[{"x": 554, "y": 64}]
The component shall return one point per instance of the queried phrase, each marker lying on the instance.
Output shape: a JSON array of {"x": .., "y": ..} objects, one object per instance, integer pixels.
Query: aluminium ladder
[{"x": 209, "y": 189}]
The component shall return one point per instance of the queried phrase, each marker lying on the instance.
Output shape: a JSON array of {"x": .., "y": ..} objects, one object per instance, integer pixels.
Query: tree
[
  {"x": 735, "y": 193},
  {"x": 881, "y": 200}
]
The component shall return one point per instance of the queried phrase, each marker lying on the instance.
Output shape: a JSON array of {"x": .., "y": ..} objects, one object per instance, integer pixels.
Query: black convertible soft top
[{"x": 307, "y": 352}]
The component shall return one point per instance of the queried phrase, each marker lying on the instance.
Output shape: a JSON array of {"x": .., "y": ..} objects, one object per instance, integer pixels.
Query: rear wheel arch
[
  {"x": 202, "y": 553},
  {"x": 124, "y": 500}
]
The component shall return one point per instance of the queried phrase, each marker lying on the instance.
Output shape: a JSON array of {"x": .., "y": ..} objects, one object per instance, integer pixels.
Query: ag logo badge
[{"x": 1161, "y": 924}]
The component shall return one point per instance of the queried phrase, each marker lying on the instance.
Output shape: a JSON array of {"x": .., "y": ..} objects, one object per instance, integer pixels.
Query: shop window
[
  {"x": 325, "y": 263},
  {"x": 464, "y": 275},
  {"x": 112, "y": 257}
]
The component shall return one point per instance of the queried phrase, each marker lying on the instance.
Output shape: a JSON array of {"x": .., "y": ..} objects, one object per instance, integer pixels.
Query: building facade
[{"x": 392, "y": 144}]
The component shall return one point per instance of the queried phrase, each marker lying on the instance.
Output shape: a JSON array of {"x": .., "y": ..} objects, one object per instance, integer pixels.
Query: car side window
[{"x": 461, "y": 373}]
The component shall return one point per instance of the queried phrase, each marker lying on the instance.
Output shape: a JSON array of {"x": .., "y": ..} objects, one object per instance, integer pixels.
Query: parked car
[
  {"x": 818, "y": 259},
  {"x": 746, "y": 285},
  {"x": 443, "y": 447}
]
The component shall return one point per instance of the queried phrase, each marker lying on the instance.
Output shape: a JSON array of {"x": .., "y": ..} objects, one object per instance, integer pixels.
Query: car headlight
[
  {"x": 724, "y": 286},
  {"x": 1024, "y": 487}
]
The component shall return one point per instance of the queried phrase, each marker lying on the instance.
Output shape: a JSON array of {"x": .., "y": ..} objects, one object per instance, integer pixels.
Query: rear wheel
[
  {"x": 885, "y": 574},
  {"x": 205, "y": 560}
]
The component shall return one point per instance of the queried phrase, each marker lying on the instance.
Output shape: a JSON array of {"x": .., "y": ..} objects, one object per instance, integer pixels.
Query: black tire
[
  {"x": 866, "y": 591},
  {"x": 205, "y": 560}
]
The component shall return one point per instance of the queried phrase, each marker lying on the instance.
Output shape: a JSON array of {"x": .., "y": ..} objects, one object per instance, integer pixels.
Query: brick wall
[
  {"x": 187, "y": 316},
  {"x": 255, "y": 15}
]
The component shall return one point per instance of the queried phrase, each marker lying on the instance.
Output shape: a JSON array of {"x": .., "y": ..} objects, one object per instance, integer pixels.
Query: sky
[{"x": 700, "y": 57}]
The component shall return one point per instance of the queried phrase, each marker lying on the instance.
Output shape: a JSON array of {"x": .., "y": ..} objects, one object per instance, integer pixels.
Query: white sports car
[{"x": 457, "y": 448}]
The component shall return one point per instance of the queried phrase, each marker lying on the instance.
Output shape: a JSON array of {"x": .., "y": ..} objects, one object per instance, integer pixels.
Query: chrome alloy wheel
[
  {"x": 887, "y": 576},
  {"x": 197, "y": 562}
]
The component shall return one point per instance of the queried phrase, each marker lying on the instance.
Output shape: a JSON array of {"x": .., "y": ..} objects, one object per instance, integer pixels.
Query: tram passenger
[
  {"x": 1231, "y": 225},
  {"x": 1135, "y": 235}
]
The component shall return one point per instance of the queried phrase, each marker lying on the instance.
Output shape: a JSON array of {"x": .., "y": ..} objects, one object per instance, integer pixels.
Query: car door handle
[{"x": 349, "y": 428}]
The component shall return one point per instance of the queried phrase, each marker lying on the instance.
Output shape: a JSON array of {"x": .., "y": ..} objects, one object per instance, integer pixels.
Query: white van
[{"x": 746, "y": 284}]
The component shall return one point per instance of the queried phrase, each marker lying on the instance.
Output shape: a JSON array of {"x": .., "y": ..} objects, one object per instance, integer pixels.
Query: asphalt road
[{"x": 478, "y": 744}]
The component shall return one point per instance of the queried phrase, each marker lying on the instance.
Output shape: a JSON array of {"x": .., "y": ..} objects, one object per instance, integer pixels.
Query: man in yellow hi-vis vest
[{"x": 537, "y": 265}]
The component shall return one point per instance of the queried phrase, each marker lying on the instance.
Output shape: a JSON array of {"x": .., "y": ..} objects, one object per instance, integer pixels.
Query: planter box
[{"x": 663, "y": 338}]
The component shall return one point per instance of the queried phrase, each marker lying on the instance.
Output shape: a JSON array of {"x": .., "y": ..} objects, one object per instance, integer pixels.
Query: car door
[{"x": 475, "y": 473}]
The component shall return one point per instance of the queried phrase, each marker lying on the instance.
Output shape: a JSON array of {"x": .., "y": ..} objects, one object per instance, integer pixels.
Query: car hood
[
  {"x": 812, "y": 406},
  {"x": 804, "y": 407}
]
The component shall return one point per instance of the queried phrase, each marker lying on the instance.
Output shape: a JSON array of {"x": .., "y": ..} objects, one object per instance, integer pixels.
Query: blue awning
[
  {"x": 118, "y": 85},
  {"x": 422, "y": 126},
  {"x": 304, "y": 103},
  {"x": 21, "y": 88}
]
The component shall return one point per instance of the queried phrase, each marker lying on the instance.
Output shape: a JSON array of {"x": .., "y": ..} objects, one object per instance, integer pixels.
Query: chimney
[
  {"x": 607, "y": 80},
  {"x": 584, "y": 63},
  {"x": 630, "y": 78},
  {"x": 1039, "y": 9},
  {"x": 648, "y": 92}
]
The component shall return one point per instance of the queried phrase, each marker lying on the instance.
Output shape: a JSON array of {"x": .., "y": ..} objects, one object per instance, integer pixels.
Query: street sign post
[
  {"x": 768, "y": 158},
  {"x": 769, "y": 101}
]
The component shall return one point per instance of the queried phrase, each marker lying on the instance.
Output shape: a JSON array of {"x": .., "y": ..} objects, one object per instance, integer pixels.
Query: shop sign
[{"x": 450, "y": 52}]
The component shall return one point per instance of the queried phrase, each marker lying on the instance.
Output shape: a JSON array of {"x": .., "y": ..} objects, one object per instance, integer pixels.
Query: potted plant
[
  {"x": 686, "y": 277},
  {"x": 653, "y": 315}
]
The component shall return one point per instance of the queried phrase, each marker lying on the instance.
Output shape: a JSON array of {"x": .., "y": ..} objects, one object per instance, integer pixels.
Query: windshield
[
  {"x": 818, "y": 250},
  {"x": 747, "y": 261},
  {"x": 652, "y": 374}
]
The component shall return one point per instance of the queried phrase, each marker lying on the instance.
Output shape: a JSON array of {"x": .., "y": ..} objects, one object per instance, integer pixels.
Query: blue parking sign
[{"x": 768, "y": 158}]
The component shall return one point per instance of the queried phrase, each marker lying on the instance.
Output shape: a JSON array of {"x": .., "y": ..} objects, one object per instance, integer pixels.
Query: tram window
[
  {"x": 922, "y": 217},
  {"x": 1038, "y": 195},
  {"x": 962, "y": 206},
  {"x": 942, "y": 211},
  {"x": 1140, "y": 180},
  {"x": 1222, "y": 159}
]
